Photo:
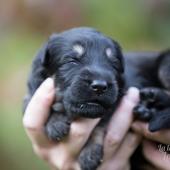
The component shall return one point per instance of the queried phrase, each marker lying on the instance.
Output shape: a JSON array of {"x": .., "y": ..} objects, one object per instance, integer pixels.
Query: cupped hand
[{"x": 119, "y": 143}]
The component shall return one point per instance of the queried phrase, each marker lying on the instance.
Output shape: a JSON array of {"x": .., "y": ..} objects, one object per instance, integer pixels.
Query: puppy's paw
[
  {"x": 148, "y": 94},
  {"x": 155, "y": 97},
  {"x": 153, "y": 106},
  {"x": 143, "y": 113},
  {"x": 91, "y": 157},
  {"x": 57, "y": 130},
  {"x": 150, "y": 102}
]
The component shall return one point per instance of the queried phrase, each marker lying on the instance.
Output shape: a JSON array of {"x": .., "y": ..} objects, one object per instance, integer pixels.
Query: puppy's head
[{"x": 88, "y": 67}]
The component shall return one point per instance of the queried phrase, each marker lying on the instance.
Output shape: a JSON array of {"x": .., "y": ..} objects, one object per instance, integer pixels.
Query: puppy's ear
[
  {"x": 41, "y": 66},
  {"x": 49, "y": 51},
  {"x": 39, "y": 71},
  {"x": 43, "y": 55},
  {"x": 119, "y": 55}
]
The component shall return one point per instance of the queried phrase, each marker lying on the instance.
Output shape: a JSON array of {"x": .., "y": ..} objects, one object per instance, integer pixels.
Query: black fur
[
  {"x": 150, "y": 73},
  {"x": 91, "y": 85}
]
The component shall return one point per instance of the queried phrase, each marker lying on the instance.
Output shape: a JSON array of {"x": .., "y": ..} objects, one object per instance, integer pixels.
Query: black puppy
[
  {"x": 150, "y": 73},
  {"x": 87, "y": 67}
]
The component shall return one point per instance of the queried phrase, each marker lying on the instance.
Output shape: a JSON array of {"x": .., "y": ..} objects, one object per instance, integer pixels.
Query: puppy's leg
[
  {"x": 58, "y": 124},
  {"x": 92, "y": 154},
  {"x": 152, "y": 107}
]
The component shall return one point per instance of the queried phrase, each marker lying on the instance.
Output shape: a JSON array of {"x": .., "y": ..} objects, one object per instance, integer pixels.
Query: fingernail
[
  {"x": 48, "y": 84},
  {"x": 133, "y": 94}
]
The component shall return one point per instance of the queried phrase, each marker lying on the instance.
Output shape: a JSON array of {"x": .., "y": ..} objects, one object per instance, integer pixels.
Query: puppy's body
[{"x": 88, "y": 71}]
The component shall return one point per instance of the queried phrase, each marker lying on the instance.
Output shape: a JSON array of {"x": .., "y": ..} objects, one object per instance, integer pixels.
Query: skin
[
  {"x": 118, "y": 145},
  {"x": 156, "y": 157}
]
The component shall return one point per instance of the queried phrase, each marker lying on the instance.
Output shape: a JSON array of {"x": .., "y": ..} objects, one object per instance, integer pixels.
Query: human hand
[
  {"x": 118, "y": 146},
  {"x": 155, "y": 153}
]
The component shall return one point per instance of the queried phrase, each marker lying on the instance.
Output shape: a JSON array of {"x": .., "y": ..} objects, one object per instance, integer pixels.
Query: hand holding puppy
[{"x": 118, "y": 144}]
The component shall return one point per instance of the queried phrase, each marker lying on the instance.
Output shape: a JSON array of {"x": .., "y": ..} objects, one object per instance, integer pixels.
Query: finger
[
  {"x": 162, "y": 136},
  {"x": 124, "y": 152},
  {"x": 37, "y": 111},
  {"x": 114, "y": 165},
  {"x": 120, "y": 122},
  {"x": 159, "y": 158},
  {"x": 80, "y": 131},
  {"x": 128, "y": 146},
  {"x": 61, "y": 158}
]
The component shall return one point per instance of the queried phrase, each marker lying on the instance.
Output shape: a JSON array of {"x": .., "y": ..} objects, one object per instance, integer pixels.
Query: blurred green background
[{"x": 26, "y": 24}]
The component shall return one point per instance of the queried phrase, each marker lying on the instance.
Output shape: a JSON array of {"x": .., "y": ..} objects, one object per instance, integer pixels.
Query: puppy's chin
[{"x": 87, "y": 109}]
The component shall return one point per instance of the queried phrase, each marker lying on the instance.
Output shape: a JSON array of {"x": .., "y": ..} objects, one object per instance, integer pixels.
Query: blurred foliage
[{"x": 25, "y": 25}]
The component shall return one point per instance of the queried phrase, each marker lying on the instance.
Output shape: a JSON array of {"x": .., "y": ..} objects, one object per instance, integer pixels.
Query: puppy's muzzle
[
  {"x": 98, "y": 81},
  {"x": 93, "y": 93}
]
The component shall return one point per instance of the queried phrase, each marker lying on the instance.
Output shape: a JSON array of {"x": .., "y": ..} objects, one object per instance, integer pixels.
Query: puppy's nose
[{"x": 99, "y": 86}]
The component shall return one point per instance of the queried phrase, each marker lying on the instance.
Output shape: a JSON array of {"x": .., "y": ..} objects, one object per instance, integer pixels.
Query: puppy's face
[{"x": 87, "y": 67}]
